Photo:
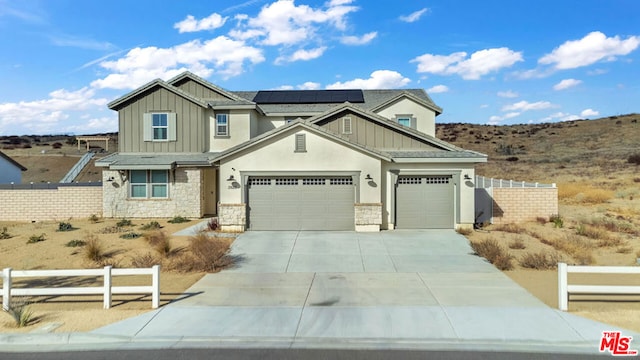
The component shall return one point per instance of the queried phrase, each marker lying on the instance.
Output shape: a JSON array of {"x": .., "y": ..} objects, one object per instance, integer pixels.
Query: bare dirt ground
[{"x": 84, "y": 313}]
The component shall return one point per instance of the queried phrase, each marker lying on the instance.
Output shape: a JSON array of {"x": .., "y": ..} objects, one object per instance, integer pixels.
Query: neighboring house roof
[
  {"x": 13, "y": 162},
  {"x": 302, "y": 124},
  {"x": 117, "y": 103},
  {"x": 155, "y": 161},
  {"x": 373, "y": 99},
  {"x": 450, "y": 149}
]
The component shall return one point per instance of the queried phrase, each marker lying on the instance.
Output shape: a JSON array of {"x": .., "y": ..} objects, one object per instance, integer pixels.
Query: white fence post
[
  {"x": 155, "y": 284},
  {"x": 563, "y": 295},
  {"x": 107, "y": 287},
  {"x": 6, "y": 289}
]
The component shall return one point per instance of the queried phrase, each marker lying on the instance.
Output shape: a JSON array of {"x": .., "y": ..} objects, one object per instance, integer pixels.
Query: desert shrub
[
  {"x": 464, "y": 231},
  {"x": 636, "y": 180},
  {"x": 160, "y": 242},
  {"x": 557, "y": 221},
  {"x": 578, "y": 248},
  {"x": 207, "y": 254},
  {"x": 75, "y": 243},
  {"x": 153, "y": 225},
  {"x": 540, "y": 261},
  {"x": 112, "y": 230},
  {"x": 178, "y": 220},
  {"x": 517, "y": 244},
  {"x": 512, "y": 158},
  {"x": 130, "y": 235},
  {"x": 612, "y": 241},
  {"x": 584, "y": 193},
  {"x": 21, "y": 313},
  {"x": 541, "y": 220},
  {"x": 36, "y": 238},
  {"x": 94, "y": 218},
  {"x": 614, "y": 226},
  {"x": 56, "y": 145},
  {"x": 624, "y": 250},
  {"x": 65, "y": 226},
  {"x": 144, "y": 261},
  {"x": 634, "y": 159},
  {"x": 511, "y": 228},
  {"x": 154, "y": 237},
  {"x": 94, "y": 249},
  {"x": 494, "y": 253},
  {"x": 591, "y": 232},
  {"x": 124, "y": 222},
  {"x": 4, "y": 234}
]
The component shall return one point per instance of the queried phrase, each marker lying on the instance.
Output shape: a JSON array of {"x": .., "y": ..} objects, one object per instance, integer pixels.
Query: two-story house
[{"x": 360, "y": 160}]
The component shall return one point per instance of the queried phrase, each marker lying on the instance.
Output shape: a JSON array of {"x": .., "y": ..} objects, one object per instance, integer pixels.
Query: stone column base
[
  {"x": 368, "y": 217},
  {"x": 232, "y": 217}
]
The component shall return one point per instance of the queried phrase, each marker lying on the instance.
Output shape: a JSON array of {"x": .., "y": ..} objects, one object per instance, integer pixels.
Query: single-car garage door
[
  {"x": 424, "y": 202},
  {"x": 301, "y": 203}
]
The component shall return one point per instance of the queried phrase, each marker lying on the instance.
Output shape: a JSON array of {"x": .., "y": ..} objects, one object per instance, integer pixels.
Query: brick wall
[
  {"x": 523, "y": 204},
  {"x": 50, "y": 204}
]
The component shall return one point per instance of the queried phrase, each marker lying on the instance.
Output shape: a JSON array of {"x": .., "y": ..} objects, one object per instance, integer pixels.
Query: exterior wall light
[{"x": 368, "y": 177}]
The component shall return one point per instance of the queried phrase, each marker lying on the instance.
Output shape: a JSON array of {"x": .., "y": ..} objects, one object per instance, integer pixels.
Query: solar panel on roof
[{"x": 308, "y": 96}]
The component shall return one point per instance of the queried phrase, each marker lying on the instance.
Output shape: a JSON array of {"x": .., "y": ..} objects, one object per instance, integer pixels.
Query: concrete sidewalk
[{"x": 400, "y": 289}]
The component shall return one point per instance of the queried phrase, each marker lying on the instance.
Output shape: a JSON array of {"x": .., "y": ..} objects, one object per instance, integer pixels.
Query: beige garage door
[
  {"x": 425, "y": 202},
  {"x": 301, "y": 203}
]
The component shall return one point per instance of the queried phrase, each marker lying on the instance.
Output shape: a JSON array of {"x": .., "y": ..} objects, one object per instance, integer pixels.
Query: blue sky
[{"x": 485, "y": 62}]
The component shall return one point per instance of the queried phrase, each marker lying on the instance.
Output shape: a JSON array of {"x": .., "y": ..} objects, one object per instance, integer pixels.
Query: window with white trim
[
  {"x": 222, "y": 125},
  {"x": 149, "y": 184},
  {"x": 404, "y": 121},
  {"x": 346, "y": 125},
  {"x": 159, "y": 126}
]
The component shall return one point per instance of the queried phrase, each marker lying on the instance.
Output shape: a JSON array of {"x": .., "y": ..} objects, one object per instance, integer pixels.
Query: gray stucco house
[
  {"x": 360, "y": 160},
  {"x": 10, "y": 170}
]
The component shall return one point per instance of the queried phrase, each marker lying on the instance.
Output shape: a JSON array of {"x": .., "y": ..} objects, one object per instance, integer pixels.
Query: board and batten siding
[
  {"x": 190, "y": 124},
  {"x": 198, "y": 90},
  {"x": 373, "y": 135}
]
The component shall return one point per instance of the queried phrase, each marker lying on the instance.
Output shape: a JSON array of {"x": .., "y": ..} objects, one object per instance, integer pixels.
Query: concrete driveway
[{"x": 395, "y": 289}]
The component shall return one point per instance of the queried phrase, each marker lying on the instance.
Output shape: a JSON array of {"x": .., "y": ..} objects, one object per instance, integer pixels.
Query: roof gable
[
  {"x": 12, "y": 162},
  {"x": 408, "y": 95},
  {"x": 150, "y": 86},
  {"x": 187, "y": 75}
]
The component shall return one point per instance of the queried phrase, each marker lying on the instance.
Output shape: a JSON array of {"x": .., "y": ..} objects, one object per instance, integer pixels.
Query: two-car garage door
[
  {"x": 425, "y": 202},
  {"x": 301, "y": 203}
]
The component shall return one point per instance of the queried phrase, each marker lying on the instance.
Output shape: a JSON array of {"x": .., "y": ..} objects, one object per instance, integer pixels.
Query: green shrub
[
  {"x": 36, "y": 238},
  {"x": 4, "y": 234},
  {"x": 75, "y": 243},
  {"x": 124, "y": 222},
  {"x": 153, "y": 225},
  {"x": 21, "y": 313},
  {"x": 178, "y": 220},
  {"x": 65, "y": 226},
  {"x": 130, "y": 235},
  {"x": 494, "y": 253},
  {"x": 557, "y": 221}
]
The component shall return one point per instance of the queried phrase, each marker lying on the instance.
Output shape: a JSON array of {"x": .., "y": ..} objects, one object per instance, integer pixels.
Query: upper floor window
[
  {"x": 404, "y": 121},
  {"x": 159, "y": 126},
  {"x": 146, "y": 184},
  {"x": 222, "y": 125}
]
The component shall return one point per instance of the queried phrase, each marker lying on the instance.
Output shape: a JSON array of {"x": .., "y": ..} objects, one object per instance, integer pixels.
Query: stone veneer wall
[
  {"x": 185, "y": 197},
  {"x": 523, "y": 204},
  {"x": 63, "y": 203},
  {"x": 232, "y": 217},
  {"x": 368, "y": 214}
]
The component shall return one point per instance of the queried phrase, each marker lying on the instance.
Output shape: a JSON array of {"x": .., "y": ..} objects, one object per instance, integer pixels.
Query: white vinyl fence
[
  {"x": 107, "y": 290},
  {"x": 564, "y": 289}
]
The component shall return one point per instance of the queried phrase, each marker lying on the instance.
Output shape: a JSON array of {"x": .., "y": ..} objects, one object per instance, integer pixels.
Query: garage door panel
[
  {"x": 301, "y": 203},
  {"x": 424, "y": 202}
]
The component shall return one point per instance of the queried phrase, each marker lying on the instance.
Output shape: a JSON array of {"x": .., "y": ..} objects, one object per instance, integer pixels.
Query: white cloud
[
  {"x": 309, "y": 85},
  {"x": 597, "y": 72},
  {"x": 379, "y": 79},
  {"x": 283, "y": 87},
  {"x": 592, "y": 48},
  {"x": 220, "y": 55},
  {"x": 589, "y": 113},
  {"x": 508, "y": 94},
  {"x": 495, "y": 120},
  {"x": 478, "y": 64},
  {"x": 526, "y": 106},
  {"x": 46, "y": 115},
  {"x": 438, "y": 89},
  {"x": 190, "y": 24},
  {"x": 566, "y": 83},
  {"x": 559, "y": 116},
  {"x": 414, "y": 16},
  {"x": 285, "y": 23},
  {"x": 302, "y": 55},
  {"x": 484, "y": 106},
  {"x": 362, "y": 40}
]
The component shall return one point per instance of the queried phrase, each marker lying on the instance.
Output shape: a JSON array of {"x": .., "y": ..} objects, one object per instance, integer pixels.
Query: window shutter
[
  {"x": 172, "y": 127},
  {"x": 147, "y": 131},
  {"x": 300, "y": 143}
]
